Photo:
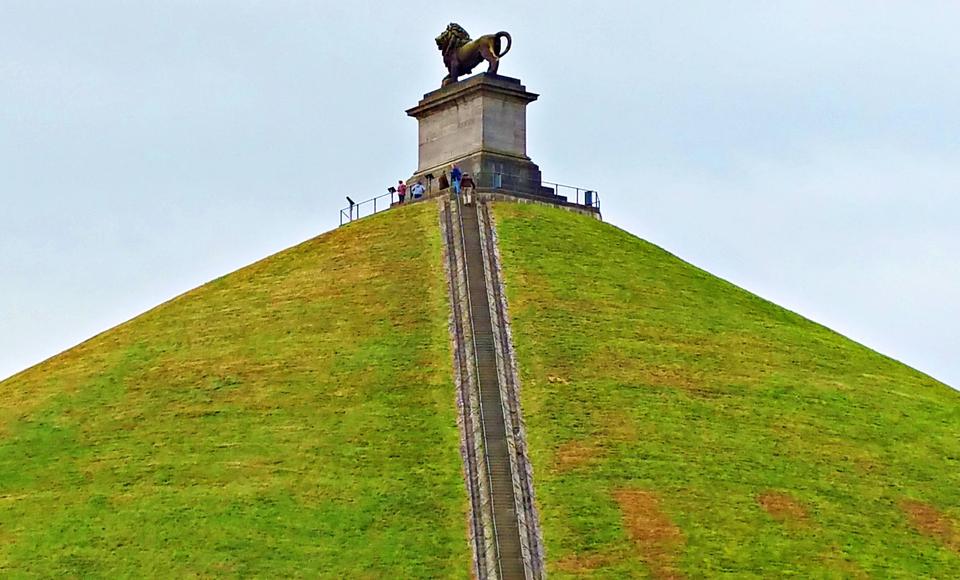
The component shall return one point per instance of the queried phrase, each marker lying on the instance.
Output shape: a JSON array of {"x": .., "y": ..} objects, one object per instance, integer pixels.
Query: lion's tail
[{"x": 509, "y": 42}]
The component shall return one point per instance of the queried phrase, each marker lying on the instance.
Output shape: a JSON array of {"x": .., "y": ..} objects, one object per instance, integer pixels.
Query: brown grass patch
[
  {"x": 585, "y": 563},
  {"x": 782, "y": 507},
  {"x": 658, "y": 540},
  {"x": 835, "y": 559},
  {"x": 673, "y": 376},
  {"x": 611, "y": 362},
  {"x": 618, "y": 426},
  {"x": 611, "y": 429},
  {"x": 930, "y": 522},
  {"x": 573, "y": 454}
]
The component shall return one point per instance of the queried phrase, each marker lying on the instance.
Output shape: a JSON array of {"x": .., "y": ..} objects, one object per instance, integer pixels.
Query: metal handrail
[
  {"x": 355, "y": 210},
  {"x": 581, "y": 196},
  {"x": 516, "y": 183}
]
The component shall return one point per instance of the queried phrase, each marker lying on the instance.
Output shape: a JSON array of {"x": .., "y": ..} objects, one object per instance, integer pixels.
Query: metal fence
[
  {"x": 367, "y": 207},
  {"x": 581, "y": 196},
  {"x": 485, "y": 181},
  {"x": 516, "y": 183}
]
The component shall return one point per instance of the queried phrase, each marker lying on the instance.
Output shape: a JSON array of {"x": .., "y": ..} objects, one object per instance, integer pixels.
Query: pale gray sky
[{"x": 807, "y": 151}]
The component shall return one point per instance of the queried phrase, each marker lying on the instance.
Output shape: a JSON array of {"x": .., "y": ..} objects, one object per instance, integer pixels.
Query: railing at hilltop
[
  {"x": 485, "y": 182},
  {"x": 515, "y": 183},
  {"x": 367, "y": 207}
]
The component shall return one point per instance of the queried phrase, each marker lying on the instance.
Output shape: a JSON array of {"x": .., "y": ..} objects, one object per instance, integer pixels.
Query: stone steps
[
  {"x": 504, "y": 525},
  {"x": 499, "y": 472}
]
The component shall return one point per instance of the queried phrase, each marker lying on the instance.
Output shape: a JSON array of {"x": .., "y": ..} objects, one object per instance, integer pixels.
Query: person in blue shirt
[
  {"x": 417, "y": 190},
  {"x": 455, "y": 176}
]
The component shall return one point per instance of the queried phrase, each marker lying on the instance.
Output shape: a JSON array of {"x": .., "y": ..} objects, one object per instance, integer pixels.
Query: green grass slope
[
  {"x": 294, "y": 418},
  {"x": 680, "y": 426}
]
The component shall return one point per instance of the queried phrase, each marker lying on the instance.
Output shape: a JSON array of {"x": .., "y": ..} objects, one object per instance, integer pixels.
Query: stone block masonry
[{"x": 479, "y": 123}]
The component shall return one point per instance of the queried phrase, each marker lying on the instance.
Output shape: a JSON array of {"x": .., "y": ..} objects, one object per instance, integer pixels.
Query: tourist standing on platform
[
  {"x": 417, "y": 190},
  {"x": 401, "y": 190},
  {"x": 455, "y": 176}
]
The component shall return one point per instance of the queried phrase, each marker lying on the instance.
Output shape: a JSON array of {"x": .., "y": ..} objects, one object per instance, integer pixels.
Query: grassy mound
[
  {"x": 293, "y": 418},
  {"x": 682, "y": 426},
  {"x": 297, "y": 418}
]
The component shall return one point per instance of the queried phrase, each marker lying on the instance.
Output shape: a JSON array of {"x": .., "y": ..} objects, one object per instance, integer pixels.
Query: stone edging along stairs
[{"x": 504, "y": 526}]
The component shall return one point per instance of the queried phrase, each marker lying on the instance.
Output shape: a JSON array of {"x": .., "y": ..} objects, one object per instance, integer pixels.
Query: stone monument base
[
  {"x": 479, "y": 124},
  {"x": 488, "y": 171}
]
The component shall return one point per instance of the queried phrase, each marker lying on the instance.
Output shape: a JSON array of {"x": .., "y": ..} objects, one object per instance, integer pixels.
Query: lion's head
[{"x": 453, "y": 37}]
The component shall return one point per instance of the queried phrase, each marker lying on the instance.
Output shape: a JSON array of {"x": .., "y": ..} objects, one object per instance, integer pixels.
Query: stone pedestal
[{"x": 479, "y": 123}]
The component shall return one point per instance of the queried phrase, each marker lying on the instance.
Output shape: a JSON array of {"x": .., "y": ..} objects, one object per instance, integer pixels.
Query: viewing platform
[
  {"x": 494, "y": 187},
  {"x": 479, "y": 125}
]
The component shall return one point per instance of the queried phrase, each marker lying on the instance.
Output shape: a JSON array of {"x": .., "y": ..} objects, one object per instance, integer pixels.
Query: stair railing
[{"x": 457, "y": 199}]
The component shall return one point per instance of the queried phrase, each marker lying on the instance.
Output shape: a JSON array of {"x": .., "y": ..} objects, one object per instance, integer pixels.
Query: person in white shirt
[{"x": 417, "y": 190}]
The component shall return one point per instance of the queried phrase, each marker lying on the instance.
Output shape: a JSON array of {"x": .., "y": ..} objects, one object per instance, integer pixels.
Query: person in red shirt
[{"x": 401, "y": 190}]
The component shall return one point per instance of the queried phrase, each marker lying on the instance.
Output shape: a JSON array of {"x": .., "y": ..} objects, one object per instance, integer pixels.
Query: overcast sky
[{"x": 808, "y": 151}]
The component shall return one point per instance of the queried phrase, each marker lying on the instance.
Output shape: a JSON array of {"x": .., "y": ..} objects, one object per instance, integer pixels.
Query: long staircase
[
  {"x": 491, "y": 406},
  {"x": 504, "y": 527}
]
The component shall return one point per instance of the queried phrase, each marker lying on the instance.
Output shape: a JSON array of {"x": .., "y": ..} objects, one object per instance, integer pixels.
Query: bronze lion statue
[{"x": 461, "y": 55}]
